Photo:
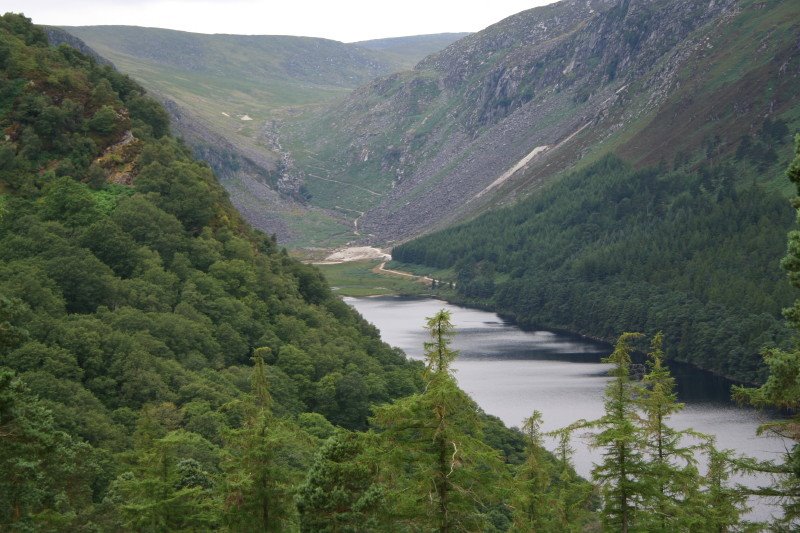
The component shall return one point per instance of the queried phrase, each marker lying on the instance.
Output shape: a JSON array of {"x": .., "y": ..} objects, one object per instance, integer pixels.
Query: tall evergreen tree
[
  {"x": 264, "y": 464},
  {"x": 549, "y": 495},
  {"x": 720, "y": 506},
  {"x": 439, "y": 474},
  {"x": 532, "y": 506},
  {"x": 670, "y": 473},
  {"x": 782, "y": 388},
  {"x": 169, "y": 488},
  {"x": 341, "y": 493},
  {"x": 620, "y": 437}
]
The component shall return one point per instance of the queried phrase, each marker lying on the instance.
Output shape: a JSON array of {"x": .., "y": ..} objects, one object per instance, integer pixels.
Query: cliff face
[
  {"x": 57, "y": 36},
  {"x": 507, "y": 108}
]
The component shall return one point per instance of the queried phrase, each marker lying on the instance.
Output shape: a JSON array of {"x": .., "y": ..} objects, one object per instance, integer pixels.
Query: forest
[
  {"x": 690, "y": 248},
  {"x": 165, "y": 367}
]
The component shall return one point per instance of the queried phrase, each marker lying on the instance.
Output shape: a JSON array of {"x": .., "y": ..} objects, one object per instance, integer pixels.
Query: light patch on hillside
[
  {"x": 511, "y": 171},
  {"x": 356, "y": 253}
]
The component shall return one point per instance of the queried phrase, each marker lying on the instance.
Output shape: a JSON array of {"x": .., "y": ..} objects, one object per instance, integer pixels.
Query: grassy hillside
[
  {"x": 408, "y": 51},
  {"x": 235, "y": 83},
  {"x": 228, "y": 95}
]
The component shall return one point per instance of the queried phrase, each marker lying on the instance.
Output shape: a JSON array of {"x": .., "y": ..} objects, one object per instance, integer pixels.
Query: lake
[{"x": 510, "y": 372}]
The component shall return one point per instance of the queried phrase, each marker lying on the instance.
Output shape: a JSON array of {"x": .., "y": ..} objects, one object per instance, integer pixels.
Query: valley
[
  {"x": 230, "y": 97},
  {"x": 379, "y": 143},
  {"x": 577, "y": 228}
]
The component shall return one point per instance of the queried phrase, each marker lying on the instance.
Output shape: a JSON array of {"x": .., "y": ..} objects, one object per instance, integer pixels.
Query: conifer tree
[
  {"x": 719, "y": 507},
  {"x": 782, "y": 388},
  {"x": 168, "y": 489},
  {"x": 264, "y": 464},
  {"x": 670, "y": 476},
  {"x": 341, "y": 493},
  {"x": 620, "y": 437},
  {"x": 438, "y": 473},
  {"x": 532, "y": 506},
  {"x": 572, "y": 501}
]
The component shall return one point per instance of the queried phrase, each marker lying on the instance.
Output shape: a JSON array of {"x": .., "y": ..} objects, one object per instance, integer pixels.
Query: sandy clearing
[{"x": 355, "y": 253}]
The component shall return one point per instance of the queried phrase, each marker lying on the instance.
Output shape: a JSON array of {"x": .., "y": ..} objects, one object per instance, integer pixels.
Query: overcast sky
[{"x": 343, "y": 20}]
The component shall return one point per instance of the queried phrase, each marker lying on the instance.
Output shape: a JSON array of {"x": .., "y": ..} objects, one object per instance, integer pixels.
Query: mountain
[
  {"x": 603, "y": 108},
  {"x": 498, "y": 113},
  {"x": 673, "y": 209},
  {"x": 408, "y": 51},
  {"x": 229, "y": 94},
  {"x": 166, "y": 367}
]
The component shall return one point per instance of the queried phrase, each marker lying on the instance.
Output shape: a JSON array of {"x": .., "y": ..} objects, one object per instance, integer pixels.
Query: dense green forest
[
  {"x": 689, "y": 248},
  {"x": 132, "y": 297}
]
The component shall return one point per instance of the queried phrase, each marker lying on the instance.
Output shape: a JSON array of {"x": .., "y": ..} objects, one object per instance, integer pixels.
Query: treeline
[{"x": 689, "y": 250}]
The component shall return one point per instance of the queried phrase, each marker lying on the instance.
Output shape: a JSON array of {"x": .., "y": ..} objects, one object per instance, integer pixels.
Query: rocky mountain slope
[
  {"x": 672, "y": 212},
  {"x": 501, "y": 111}
]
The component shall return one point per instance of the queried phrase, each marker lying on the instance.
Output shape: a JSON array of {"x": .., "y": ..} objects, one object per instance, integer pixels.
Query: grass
[
  {"x": 445, "y": 274},
  {"x": 317, "y": 229},
  {"x": 358, "y": 278}
]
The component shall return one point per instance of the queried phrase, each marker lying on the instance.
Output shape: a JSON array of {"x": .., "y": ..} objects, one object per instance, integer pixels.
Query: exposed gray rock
[{"x": 559, "y": 76}]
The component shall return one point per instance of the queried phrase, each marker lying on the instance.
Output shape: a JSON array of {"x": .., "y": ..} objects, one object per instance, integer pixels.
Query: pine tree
[
  {"x": 168, "y": 489},
  {"x": 438, "y": 473},
  {"x": 670, "y": 476},
  {"x": 719, "y": 506},
  {"x": 532, "y": 503},
  {"x": 341, "y": 493},
  {"x": 620, "y": 437},
  {"x": 264, "y": 464},
  {"x": 782, "y": 388}
]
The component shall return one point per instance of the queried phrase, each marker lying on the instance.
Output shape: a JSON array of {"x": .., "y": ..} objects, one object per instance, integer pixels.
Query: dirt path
[
  {"x": 355, "y": 221},
  {"x": 381, "y": 269}
]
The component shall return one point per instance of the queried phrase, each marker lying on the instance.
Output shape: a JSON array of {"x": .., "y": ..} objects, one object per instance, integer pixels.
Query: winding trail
[
  {"x": 381, "y": 269},
  {"x": 355, "y": 221}
]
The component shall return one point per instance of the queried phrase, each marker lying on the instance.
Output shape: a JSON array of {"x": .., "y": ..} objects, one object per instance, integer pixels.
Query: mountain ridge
[
  {"x": 479, "y": 117},
  {"x": 214, "y": 85}
]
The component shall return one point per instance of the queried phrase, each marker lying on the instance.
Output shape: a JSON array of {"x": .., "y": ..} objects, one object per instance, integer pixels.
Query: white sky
[{"x": 343, "y": 20}]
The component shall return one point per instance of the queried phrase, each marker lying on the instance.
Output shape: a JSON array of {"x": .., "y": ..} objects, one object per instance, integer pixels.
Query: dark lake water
[{"x": 511, "y": 372}]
